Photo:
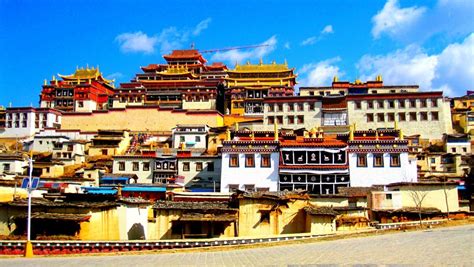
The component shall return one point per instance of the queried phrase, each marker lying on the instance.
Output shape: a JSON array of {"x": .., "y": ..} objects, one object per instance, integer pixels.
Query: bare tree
[{"x": 418, "y": 197}]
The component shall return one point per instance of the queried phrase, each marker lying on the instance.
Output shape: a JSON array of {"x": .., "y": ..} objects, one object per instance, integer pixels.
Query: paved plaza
[{"x": 442, "y": 246}]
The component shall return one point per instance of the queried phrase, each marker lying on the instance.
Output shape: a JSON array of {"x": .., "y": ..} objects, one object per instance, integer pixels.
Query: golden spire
[
  {"x": 261, "y": 61},
  {"x": 351, "y": 132},
  {"x": 376, "y": 135},
  {"x": 335, "y": 79},
  {"x": 54, "y": 78},
  {"x": 378, "y": 78},
  {"x": 45, "y": 82},
  {"x": 400, "y": 135},
  {"x": 275, "y": 130},
  {"x": 227, "y": 134}
]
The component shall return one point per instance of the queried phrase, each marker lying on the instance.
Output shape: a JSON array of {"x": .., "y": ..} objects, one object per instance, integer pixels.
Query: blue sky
[{"x": 430, "y": 43}]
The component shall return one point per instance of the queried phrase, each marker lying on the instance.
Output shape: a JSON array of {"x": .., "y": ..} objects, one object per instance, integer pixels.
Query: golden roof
[
  {"x": 85, "y": 74},
  {"x": 273, "y": 67}
]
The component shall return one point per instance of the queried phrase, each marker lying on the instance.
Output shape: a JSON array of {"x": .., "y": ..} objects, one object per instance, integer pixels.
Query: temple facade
[
  {"x": 247, "y": 85},
  {"x": 184, "y": 82},
  {"x": 84, "y": 91},
  {"x": 313, "y": 162}
]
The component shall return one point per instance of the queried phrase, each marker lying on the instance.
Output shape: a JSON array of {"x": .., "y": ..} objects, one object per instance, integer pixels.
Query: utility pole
[{"x": 29, "y": 245}]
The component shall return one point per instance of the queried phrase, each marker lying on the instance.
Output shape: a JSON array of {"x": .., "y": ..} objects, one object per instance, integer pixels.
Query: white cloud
[
  {"x": 310, "y": 40},
  {"x": 114, "y": 76},
  {"x": 395, "y": 21},
  {"x": 320, "y": 73},
  {"x": 201, "y": 26},
  {"x": 451, "y": 70},
  {"x": 327, "y": 29},
  {"x": 238, "y": 56},
  {"x": 455, "y": 69},
  {"x": 136, "y": 42},
  {"x": 168, "y": 39}
]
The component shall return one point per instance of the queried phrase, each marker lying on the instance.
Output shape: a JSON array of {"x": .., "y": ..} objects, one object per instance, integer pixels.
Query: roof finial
[
  {"x": 45, "y": 82},
  {"x": 376, "y": 135},
  {"x": 275, "y": 130},
  {"x": 192, "y": 45},
  {"x": 227, "y": 134},
  {"x": 351, "y": 132},
  {"x": 286, "y": 63},
  {"x": 335, "y": 79},
  {"x": 261, "y": 61},
  {"x": 87, "y": 66}
]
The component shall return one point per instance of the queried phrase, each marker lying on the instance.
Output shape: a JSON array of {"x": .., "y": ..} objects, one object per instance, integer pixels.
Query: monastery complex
[{"x": 193, "y": 149}]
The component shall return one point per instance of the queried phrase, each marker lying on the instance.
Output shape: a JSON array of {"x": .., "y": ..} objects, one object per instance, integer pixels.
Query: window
[
  {"x": 412, "y": 103},
  {"x": 290, "y": 107},
  {"x": 299, "y": 107},
  {"x": 271, "y": 120},
  {"x": 423, "y": 116},
  {"x": 434, "y": 102},
  {"x": 388, "y": 196},
  {"x": 370, "y": 117},
  {"x": 395, "y": 160},
  {"x": 464, "y": 150},
  {"x": 434, "y": 116},
  {"x": 233, "y": 187},
  {"x": 300, "y": 119},
  {"x": 311, "y": 93},
  {"x": 135, "y": 166},
  {"x": 402, "y": 117},
  {"x": 391, "y": 104},
  {"x": 210, "y": 166},
  {"x": 181, "y": 139},
  {"x": 197, "y": 139},
  {"x": 378, "y": 160},
  {"x": 121, "y": 166},
  {"x": 270, "y": 108},
  {"x": 433, "y": 160},
  {"x": 249, "y": 160},
  {"x": 453, "y": 149},
  {"x": 291, "y": 119},
  {"x": 146, "y": 166},
  {"x": 6, "y": 167},
  {"x": 380, "y": 104},
  {"x": 198, "y": 166},
  {"x": 80, "y": 104},
  {"x": 380, "y": 117},
  {"x": 401, "y": 103},
  {"x": 105, "y": 152},
  {"x": 391, "y": 117},
  {"x": 370, "y": 104},
  {"x": 249, "y": 187},
  {"x": 358, "y": 105},
  {"x": 280, "y": 119},
  {"x": 279, "y": 107},
  {"x": 362, "y": 160},
  {"x": 266, "y": 162},
  {"x": 185, "y": 166},
  {"x": 423, "y": 103},
  {"x": 233, "y": 160},
  {"x": 412, "y": 116},
  {"x": 311, "y": 106}
]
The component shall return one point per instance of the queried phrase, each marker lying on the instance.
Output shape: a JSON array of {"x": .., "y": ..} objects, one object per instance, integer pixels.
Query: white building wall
[
  {"x": 87, "y": 105},
  {"x": 370, "y": 175},
  {"x": 16, "y": 166},
  {"x": 131, "y": 218},
  {"x": 312, "y": 117},
  {"x": 459, "y": 148},
  {"x": 430, "y": 129},
  {"x": 204, "y": 174},
  {"x": 260, "y": 177},
  {"x": 46, "y": 143},
  {"x": 144, "y": 176},
  {"x": 202, "y": 105}
]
